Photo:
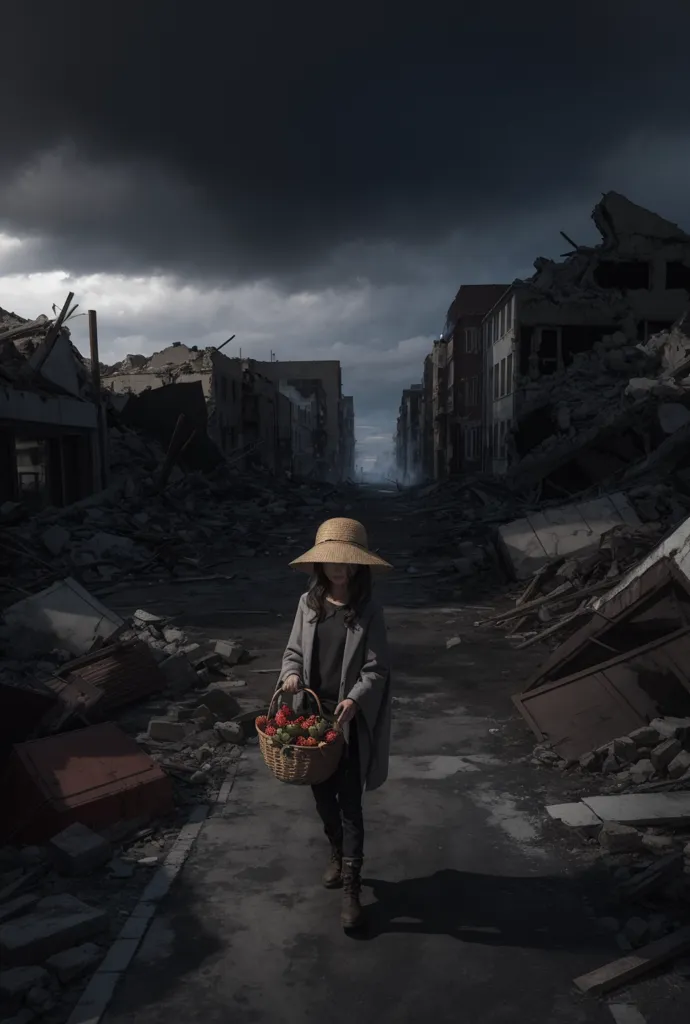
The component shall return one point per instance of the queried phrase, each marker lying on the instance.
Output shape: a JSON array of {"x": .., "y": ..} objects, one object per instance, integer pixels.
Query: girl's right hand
[{"x": 292, "y": 684}]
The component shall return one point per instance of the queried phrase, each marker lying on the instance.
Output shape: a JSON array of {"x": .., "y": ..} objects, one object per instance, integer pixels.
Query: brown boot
[
  {"x": 351, "y": 914},
  {"x": 333, "y": 875}
]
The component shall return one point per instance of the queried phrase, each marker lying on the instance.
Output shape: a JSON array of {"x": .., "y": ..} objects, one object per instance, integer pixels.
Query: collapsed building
[
  {"x": 287, "y": 417},
  {"x": 51, "y": 427},
  {"x": 563, "y": 346}
]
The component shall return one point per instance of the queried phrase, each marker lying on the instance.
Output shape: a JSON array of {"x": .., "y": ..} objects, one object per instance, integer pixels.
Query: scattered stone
[
  {"x": 645, "y": 736},
  {"x": 19, "y": 905},
  {"x": 643, "y": 771},
  {"x": 230, "y": 732},
  {"x": 148, "y": 862},
  {"x": 172, "y": 635},
  {"x": 166, "y": 730},
  {"x": 620, "y": 838},
  {"x": 56, "y": 923},
  {"x": 658, "y": 844},
  {"x": 75, "y": 962},
  {"x": 454, "y": 641},
  {"x": 179, "y": 673},
  {"x": 625, "y": 749},
  {"x": 590, "y": 762},
  {"x": 610, "y": 765},
  {"x": 203, "y": 716},
  {"x": 671, "y": 728},
  {"x": 146, "y": 617},
  {"x": 680, "y": 764},
  {"x": 220, "y": 699},
  {"x": 664, "y": 753},
  {"x": 17, "y": 981},
  {"x": 199, "y": 776},
  {"x": 231, "y": 651},
  {"x": 77, "y": 850},
  {"x": 39, "y": 998}
]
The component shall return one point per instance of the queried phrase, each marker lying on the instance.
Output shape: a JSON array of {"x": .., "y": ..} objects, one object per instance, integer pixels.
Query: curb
[{"x": 99, "y": 991}]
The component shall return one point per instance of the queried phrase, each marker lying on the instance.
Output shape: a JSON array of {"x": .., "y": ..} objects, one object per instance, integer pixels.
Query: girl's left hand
[{"x": 346, "y": 711}]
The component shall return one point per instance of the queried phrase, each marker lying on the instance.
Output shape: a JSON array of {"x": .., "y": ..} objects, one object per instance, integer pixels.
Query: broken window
[
  {"x": 509, "y": 374},
  {"x": 677, "y": 275},
  {"x": 629, "y": 275},
  {"x": 547, "y": 351},
  {"x": 503, "y": 377}
]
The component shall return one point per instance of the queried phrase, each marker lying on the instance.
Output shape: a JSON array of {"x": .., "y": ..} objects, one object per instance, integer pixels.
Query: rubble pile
[
  {"x": 618, "y": 412},
  {"x": 660, "y": 750},
  {"x": 136, "y": 528}
]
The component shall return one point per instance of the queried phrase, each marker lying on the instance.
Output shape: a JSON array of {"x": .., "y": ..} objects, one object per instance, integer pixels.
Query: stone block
[
  {"x": 75, "y": 962},
  {"x": 17, "y": 981},
  {"x": 231, "y": 651},
  {"x": 625, "y": 749},
  {"x": 78, "y": 850},
  {"x": 230, "y": 732},
  {"x": 680, "y": 764},
  {"x": 658, "y": 844},
  {"x": 645, "y": 736},
  {"x": 56, "y": 923},
  {"x": 590, "y": 762},
  {"x": 19, "y": 905},
  {"x": 220, "y": 699},
  {"x": 620, "y": 838},
  {"x": 610, "y": 765},
  {"x": 168, "y": 731},
  {"x": 643, "y": 771},
  {"x": 178, "y": 673},
  {"x": 663, "y": 754},
  {"x": 671, "y": 728}
]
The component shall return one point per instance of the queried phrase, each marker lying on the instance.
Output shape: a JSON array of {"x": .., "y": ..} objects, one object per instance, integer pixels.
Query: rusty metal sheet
[
  {"x": 96, "y": 775},
  {"x": 590, "y": 708},
  {"x": 123, "y": 674}
]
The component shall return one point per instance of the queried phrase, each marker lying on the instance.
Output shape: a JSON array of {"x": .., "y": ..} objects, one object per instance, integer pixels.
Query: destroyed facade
[
  {"x": 49, "y": 418},
  {"x": 557, "y": 357},
  {"x": 285, "y": 416}
]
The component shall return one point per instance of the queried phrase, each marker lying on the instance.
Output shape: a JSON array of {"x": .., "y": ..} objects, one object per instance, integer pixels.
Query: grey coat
[{"x": 365, "y": 679}]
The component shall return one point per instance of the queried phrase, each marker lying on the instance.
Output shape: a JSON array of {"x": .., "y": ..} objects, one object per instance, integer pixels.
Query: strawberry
[{"x": 271, "y": 730}]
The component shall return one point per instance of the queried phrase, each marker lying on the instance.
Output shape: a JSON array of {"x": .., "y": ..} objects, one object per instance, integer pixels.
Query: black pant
[{"x": 339, "y": 802}]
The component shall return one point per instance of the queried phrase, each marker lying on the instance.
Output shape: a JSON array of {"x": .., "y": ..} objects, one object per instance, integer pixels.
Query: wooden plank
[{"x": 620, "y": 972}]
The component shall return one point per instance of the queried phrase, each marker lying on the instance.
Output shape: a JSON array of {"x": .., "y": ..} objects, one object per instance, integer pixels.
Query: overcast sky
[{"x": 320, "y": 179}]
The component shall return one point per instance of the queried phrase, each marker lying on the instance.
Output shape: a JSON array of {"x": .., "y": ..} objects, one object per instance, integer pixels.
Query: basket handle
[{"x": 304, "y": 690}]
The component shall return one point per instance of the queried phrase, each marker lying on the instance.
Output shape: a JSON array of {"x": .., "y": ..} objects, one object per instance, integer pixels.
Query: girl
[{"x": 338, "y": 648}]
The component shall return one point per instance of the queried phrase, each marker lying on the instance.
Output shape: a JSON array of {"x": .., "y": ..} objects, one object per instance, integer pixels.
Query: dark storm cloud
[{"x": 256, "y": 140}]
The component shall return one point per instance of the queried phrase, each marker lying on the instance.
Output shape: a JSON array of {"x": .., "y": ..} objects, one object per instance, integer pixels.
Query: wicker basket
[{"x": 301, "y": 766}]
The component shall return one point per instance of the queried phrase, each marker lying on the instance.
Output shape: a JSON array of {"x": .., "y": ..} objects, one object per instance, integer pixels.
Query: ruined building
[{"x": 616, "y": 294}]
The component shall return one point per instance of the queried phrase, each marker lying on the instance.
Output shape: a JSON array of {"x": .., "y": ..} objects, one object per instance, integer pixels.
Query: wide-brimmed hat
[{"x": 343, "y": 541}]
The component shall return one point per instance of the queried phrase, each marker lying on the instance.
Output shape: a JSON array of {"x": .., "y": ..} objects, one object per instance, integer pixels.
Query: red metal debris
[{"x": 96, "y": 776}]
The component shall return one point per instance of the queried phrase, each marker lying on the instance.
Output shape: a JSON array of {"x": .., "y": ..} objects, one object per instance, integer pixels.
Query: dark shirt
[{"x": 329, "y": 649}]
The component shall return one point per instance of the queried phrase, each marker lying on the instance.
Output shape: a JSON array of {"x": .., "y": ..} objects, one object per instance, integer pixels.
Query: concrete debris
[
  {"x": 57, "y": 923},
  {"x": 648, "y": 752},
  {"x": 618, "y": 838},
  {"x": 75, "y": 962},
  {"x": 78, "y": 850}
]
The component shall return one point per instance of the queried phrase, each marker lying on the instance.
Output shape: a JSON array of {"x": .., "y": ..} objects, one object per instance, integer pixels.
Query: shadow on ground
[{"x": 538, "y": 913}]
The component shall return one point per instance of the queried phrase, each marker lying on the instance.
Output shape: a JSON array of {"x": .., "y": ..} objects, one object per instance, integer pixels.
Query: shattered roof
[
  {"x": 20, "y": 339},
  {"x": 616, "y": 217}
]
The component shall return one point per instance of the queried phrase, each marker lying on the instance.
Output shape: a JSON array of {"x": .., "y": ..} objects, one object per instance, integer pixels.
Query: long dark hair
[{"x": 358, "y": 592}]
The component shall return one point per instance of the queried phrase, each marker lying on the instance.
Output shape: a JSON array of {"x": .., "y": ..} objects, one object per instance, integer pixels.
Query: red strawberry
[
  {"x": 281, "y": 720},
  {"x": 331, "y": 736},
  {"x": 271, "y": 730}
]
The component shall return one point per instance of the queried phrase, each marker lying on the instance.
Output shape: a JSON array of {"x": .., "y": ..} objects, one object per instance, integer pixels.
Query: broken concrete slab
[
  {"x": 530, "y": 543},
  {"x": 642, "y": 808},
  {"x": 575, "y": 815},
  {"x": 220, "y": 699},
  {"x": 64, "y": 615},
  {"x": 620, "y": 838},
  {"x": 166, "y": 730},
  {"x": 680, "y": 764},
  {"x": 179, "y": 673},
  {"x": 75, "y": 962},
  {"x": 231, "y": 651},
  {"x": 17, "y": 981},
  {"x": 663, "y": 754},
  {"x": 56, "y": 923},
  {"x": 77, "y": 850},
  {"x": 18, "y": 906},
  {"x": 230, "y": 732}
]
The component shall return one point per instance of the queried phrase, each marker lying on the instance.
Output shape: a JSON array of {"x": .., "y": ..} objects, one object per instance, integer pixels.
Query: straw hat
[{"x": 343, "y": 541}]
